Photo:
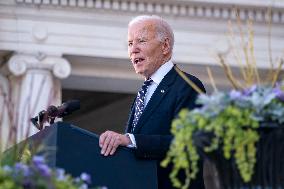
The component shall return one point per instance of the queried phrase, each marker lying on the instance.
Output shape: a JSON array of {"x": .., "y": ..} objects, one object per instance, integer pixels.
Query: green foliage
[
  {"x": 183, "y": 146},
  {"x": 7, "y": 182},
  {"x": 233, "y": 119}
]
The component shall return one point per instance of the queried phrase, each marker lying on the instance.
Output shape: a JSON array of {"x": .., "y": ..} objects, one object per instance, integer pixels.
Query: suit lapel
[
  {"x": 156, "y": 98},
  {"x": 130, "y": 117}
]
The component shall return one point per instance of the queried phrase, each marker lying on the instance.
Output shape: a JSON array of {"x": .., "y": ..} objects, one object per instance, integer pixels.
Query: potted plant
[{"x": 239, "y": 134}]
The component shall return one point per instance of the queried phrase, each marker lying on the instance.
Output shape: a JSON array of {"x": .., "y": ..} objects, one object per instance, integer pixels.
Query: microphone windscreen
[{"x": 52, "y": 111}]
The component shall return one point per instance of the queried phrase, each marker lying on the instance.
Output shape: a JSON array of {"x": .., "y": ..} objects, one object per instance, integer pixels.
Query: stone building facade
[{"x": 54, "y": 49}]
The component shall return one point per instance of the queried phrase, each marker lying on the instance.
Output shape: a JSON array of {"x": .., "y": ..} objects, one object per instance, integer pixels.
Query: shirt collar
[{"x": 159, "y": 74}]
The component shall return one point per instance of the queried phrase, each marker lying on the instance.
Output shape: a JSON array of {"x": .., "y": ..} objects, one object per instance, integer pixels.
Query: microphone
[
  {"x": 53, "y": 112},
  {"x": 65, "y": 109}
]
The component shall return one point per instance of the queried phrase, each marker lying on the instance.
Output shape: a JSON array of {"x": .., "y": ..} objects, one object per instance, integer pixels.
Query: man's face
[{"x": 144, "y": 49}]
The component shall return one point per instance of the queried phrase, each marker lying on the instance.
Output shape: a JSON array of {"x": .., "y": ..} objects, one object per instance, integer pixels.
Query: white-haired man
[{"x": 163, "y": 94}]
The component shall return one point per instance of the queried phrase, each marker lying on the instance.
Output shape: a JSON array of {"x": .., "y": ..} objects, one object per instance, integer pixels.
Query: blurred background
[{"x": 52, "y": 51}]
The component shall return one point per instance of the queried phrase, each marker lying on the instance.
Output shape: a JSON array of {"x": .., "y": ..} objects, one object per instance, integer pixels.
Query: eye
[
  {"x": 142, "y": 40},
  {"x": 130, "y": 44}
]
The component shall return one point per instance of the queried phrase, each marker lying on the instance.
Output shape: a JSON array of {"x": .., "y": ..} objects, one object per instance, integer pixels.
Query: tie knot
[{"x": 147, "y": 82}]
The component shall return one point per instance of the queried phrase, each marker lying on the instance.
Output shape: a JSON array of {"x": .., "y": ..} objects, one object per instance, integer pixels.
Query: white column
[
  {"x": 4, "y": 114},
  {"x": 35, "y": 84}
]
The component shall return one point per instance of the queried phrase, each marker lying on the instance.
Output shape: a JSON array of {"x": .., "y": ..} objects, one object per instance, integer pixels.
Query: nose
[{"x": 134, "y": 48}]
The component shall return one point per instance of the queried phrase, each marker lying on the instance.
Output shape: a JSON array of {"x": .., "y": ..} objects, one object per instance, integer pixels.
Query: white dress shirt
[{"x": 157, "y": 77}]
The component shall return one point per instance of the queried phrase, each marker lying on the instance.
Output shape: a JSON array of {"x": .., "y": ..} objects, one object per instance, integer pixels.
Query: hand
[{"x": 110, "y": 140}]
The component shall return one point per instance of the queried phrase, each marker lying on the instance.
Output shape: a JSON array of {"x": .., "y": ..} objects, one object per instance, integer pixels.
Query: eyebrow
[{"x": 139, "y": 38}]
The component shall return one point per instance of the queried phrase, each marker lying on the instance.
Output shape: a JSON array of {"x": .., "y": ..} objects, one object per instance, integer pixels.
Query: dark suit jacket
[{"x": 152, "y": 132}]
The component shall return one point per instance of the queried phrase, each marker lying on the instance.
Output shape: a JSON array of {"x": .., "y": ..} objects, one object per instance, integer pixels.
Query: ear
[{"x": 166, "y": 46}]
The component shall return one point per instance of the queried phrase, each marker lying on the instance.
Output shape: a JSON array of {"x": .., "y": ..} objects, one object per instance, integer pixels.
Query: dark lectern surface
[{"x": 77, "y": 150}]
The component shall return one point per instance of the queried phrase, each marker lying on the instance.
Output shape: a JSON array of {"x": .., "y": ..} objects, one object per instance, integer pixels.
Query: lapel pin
[{"x": 162, "y": 91}]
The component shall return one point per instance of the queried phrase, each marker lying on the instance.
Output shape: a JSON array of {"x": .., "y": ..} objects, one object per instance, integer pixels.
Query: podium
[{"x": 77, "y": 150}]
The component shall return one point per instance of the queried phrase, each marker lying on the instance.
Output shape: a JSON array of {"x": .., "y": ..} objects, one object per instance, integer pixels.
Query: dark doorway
[{"x": 100, "y": 111}]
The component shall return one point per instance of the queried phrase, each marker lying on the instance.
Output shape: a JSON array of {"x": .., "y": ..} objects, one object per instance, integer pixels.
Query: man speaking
[{"x": 163, "y": 94}]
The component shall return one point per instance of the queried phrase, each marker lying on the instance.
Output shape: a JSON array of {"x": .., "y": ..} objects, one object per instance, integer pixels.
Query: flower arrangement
[
  {"x": 37, "y": 175},
  {"x": 231, "y": 119}
]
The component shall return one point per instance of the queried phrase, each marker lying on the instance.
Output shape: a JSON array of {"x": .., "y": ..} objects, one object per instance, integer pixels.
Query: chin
[{"x": 140, "y": 73}]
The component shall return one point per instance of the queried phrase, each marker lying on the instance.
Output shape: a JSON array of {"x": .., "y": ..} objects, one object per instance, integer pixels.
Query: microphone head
[
  {"x": 52, "y": 111},
  {"x": 39, "y": 119},
  {"x": 34, "y": 120}
]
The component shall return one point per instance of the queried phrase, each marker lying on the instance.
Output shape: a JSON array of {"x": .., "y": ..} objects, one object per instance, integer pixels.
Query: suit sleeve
[{"x": 156, "y": 146}]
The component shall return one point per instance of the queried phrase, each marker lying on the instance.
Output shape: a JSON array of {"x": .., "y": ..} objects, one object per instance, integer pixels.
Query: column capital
[{"x": 19, "y": 63}]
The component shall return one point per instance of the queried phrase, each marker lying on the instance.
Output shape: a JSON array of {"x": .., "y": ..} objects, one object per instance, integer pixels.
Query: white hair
[{"x": 163, "y": 29}]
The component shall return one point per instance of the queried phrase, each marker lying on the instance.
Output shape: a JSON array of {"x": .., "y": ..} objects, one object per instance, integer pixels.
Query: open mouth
[{"x": 138, "y": 60}]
